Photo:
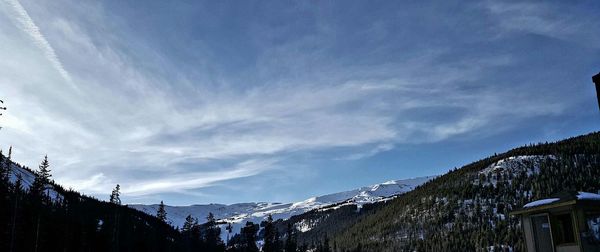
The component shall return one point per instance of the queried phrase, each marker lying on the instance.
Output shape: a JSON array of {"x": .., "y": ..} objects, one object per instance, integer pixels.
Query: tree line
[
  {"x": 41, "y": 215},
  {"x": 468, "y": 209}
]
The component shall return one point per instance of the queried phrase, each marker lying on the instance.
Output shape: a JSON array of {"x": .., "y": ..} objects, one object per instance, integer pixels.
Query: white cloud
[
  {"x": 551, "y": 19},
  {"x": 195, "y": 180},
  {"x": 369, "y": 153},
  {"x": 126, "y": 118}
]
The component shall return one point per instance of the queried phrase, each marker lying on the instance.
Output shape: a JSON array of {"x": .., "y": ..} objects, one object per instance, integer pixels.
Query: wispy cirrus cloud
[
  {"x": 175, "y": 111},
  {"x": 555, "y": 20}
]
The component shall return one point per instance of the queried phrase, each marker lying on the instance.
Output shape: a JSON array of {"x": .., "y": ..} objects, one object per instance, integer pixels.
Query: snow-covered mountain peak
[{"x": 238, "y": 214}]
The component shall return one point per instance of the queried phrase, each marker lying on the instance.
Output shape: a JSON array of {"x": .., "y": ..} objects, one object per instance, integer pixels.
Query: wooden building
[{"x": 569, "y": 221}]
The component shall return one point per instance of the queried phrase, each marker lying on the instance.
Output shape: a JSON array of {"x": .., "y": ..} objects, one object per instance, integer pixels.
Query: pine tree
[
  {"x": 5, "y": 168},
  {"x": 4, "y": 202},
  {"x": 161, "y": 214},
  {"x": 9, "y": 157},
  {"x": 248, "y": 235},
  {"x": 44, "y": 172},
  {"x": 290, "y": 239},
  {"x": 41, "y": 180},
  {"x": 212, "y": 234},
  {"x": 271, "y": 238},
  {"x": 37, "y": 189},
  {"x": 229, "y": 229},
  {"x": 115, "y": 195},
  {"x": 18, "y": 187},
  {"x": 115, "y": 199},
  {"x": 210, "y": 219},
  {"x": 189, "y": 223}
]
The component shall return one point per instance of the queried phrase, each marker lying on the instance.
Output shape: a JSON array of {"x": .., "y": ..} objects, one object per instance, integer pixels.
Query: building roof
[
  {"x": 596, "y": 78},
  {"x": 559, "y": 199}
]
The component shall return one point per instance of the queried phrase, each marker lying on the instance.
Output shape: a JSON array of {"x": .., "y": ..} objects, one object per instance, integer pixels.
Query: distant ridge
[{"x": 238, "y": 214}]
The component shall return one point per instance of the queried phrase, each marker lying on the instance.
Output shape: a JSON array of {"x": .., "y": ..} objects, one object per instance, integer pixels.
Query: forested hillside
[
  {"x": 468, "y": 208},
  {"x": 38, "y": 215}
]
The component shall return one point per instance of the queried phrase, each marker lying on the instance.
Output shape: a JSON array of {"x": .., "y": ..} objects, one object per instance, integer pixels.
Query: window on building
[{"x": 563, "y": 229}]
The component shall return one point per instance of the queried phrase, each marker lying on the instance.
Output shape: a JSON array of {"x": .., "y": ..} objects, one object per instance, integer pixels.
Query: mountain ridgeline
[
  {"x": 235, "y": 216},
  {"x": 466, "y": 209}
]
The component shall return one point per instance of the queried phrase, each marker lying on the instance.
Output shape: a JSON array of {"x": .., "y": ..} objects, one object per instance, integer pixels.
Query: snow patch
[
  {"x": 27, "y": 178},
  {"x": 588, "y": 196},
  {"x": 303, "y": 226},
  {"x": 499, "y": 170},
  {"x": 540, "y": 202}
]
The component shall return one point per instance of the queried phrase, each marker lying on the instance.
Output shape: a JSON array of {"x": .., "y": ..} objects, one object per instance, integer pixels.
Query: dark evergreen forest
[
  {"x": 32, "y": 221},
  {"x": 465, "y": 209},
  {"x": 43, "y": 216}
]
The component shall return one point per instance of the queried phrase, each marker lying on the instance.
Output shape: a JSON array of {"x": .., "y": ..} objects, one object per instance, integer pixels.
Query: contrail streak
[{"x": 27, "y": 24}]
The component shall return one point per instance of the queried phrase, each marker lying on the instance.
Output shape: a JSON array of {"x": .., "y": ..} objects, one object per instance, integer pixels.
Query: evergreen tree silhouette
[
  {"x": 161, "y": 213},
  {"x": 229, "y": 229},
  {"x": 17, "y": 189},
  {"x": 290, "y": 239},
  {"x": 115, "y": 196},
  {"x": 189, "y": 223},
  {"x": 212, "y": 234},
  {"x": 248, "y": 236},
  {"x": 271, "y": 237},
  {"x": 4, "y": 200},
  {"x": 39, "y": 192}
]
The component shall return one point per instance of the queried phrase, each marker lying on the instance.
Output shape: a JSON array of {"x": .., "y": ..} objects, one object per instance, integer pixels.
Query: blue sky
[{"x": 235, "y": 101}]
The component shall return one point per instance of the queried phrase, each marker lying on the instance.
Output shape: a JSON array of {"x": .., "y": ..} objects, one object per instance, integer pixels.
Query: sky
[{"x": 196, "y": 102}]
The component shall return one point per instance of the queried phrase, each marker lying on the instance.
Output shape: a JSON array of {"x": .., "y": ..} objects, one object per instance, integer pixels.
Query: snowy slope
[
  {"x": 27, "y": 178},
  {"x": 528, "y": 164},
  {"x": 517, "y": 163},
  {"x": 238, "y": 214},
  {"x": 363, "y": 195},
  {"x": 26, "y": 175}
]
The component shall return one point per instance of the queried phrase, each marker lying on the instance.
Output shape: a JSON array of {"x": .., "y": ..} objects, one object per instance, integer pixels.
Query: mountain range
[{"x": 239, "y": 214}]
